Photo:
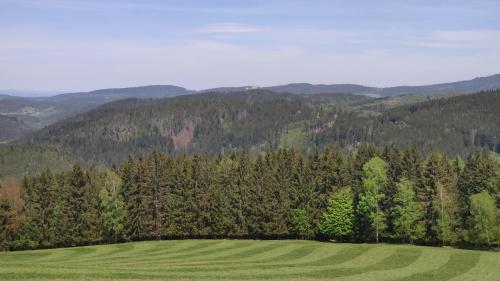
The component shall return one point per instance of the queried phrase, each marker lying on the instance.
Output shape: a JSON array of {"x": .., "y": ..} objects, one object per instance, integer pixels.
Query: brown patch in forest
[
  {"x": 183, "y": 138},
  {"x": 242, "y": 115},
  {"x": 323, "y": 127},
  {"x": 12, "y": 191}
]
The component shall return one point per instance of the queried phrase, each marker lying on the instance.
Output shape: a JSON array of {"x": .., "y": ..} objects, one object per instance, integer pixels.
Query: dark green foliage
[
  {"x": 4, "y": 224},
  {"x": 253, "y": 121},
  {"x": 278, "y": 194},
  {"x": 19, "y": 160},
  {"x": 21, "y": 115},
  {"x": 479, "y": 174},
  {"x": 436, "y": 195}
]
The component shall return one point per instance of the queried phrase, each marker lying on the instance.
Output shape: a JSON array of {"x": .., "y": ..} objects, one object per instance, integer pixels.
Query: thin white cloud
[
  {"x": 84, "y": 65},
  {"x": 227, "y": 27},
  {"x": 458, "y": 39}
]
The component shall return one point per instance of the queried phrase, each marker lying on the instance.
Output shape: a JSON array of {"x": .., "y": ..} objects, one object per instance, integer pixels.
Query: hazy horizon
[{"x": 83, "y": 45}]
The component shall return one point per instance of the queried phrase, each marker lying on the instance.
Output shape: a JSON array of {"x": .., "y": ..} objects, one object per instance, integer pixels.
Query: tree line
[{"x": 374, "y": 195}]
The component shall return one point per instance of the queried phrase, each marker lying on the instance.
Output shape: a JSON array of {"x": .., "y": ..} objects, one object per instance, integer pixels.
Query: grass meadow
[{"x": 250, "y": 260}]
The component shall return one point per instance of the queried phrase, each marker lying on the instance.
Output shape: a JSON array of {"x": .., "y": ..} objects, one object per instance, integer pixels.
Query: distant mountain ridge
[
  {"x": 461, "y": 87},
  {"x": 37, "y": 112}
]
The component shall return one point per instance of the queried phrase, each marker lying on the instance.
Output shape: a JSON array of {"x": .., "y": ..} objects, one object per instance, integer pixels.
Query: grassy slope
[{"x": 250, "y": 260}]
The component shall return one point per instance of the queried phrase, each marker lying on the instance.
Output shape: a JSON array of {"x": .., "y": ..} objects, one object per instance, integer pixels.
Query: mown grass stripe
[
  {"x": 487, "y": 268},
  {"x": 459, "y": 263},
  {"x": 127, "y": 260},
  {"x": 347, "y": 253},
  {"x": 250, "y": 260}
]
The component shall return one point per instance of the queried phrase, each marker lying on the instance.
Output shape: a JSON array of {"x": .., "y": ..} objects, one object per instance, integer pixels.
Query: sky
[{"x": 56, "y": 45}]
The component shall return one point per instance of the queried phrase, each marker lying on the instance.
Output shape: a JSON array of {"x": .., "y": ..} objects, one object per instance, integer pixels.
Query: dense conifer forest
[
  {"x": 373, "y": 195},
  {"x": 258, "y": 120}
]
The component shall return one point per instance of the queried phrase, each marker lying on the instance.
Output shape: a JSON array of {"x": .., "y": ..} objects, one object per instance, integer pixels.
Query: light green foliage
[
  {"x": 112, "y": 207},
  {"x": 295, "y": 137},
  {"x": 445, "y": 209},
  {"x": 299, "y": 222},
  {"x": 338, "y": 219},
  {"x": 373, "y": 184},
  {"x": 484, "y": 219},
  {"x": 406, "y": 212},
  {"x": 249, "y": 260}
]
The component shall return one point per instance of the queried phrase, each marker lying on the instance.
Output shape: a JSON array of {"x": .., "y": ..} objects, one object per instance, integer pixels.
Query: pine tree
[
  {"x": 43, "y": 207},
  {"x": 203, "y": 172},
  {"x": 154, "y": 194},
  {"x": 132, "y": 175},
  {"x": 300, "y": 196},
  {"x": 392, "y": 156},
  {"x": 75, "y": 206},
  {"x": 411, "y": 165},
  {"x": 330, "y": 174},
  {"x": 90, "y": 218},
  {"x": 437, "y": 198},
  {"x": 5, "y": 221}
]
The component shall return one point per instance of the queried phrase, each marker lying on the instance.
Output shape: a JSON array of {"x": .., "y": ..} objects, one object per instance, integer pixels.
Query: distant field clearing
[{"x": 250, "y": 260}]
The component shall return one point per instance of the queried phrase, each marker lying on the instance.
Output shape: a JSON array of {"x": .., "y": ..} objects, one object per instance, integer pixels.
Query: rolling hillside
[
  {"x": 207, "y": 123},
  {"x": 257, "y": 120},
  {"x": 35, "y": 113}
]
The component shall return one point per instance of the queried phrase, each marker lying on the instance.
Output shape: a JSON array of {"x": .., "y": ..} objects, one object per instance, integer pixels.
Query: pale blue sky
[{"x": 84, "y": 44}]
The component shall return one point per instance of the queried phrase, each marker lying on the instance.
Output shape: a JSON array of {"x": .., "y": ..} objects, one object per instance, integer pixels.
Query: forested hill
[
  {"x": 454, "y": 125},
  {"x": 34, "y": 113},
  {"x": 27, "y": 114},
  {"x": 258, "y": 120},
  {"x": 210, "y": 123}
]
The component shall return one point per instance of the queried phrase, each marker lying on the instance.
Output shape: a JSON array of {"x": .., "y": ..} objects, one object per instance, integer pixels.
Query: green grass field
[{"x": 250, "y": 260}]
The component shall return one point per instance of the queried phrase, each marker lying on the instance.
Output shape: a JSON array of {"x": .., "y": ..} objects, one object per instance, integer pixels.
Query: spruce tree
[
  {"x": 437, "y": 196},
  {"x": 5, "y": 220}
]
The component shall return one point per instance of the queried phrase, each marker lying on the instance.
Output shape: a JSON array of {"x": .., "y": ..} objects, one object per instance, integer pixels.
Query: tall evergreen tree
[
  {"x": 330, "y": 174},
  {"x": 154, "y": 194},
  {"x": 203, "y": 171},
  {"x": 437, "y": 197},
  {"x": 5, "y": 220},
  {"x": 133, "y": 183}
]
